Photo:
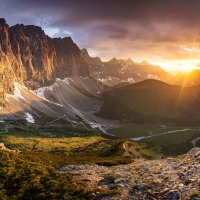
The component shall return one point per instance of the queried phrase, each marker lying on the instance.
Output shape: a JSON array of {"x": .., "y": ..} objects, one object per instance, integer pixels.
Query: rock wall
[{"x": 29, "y": 56}]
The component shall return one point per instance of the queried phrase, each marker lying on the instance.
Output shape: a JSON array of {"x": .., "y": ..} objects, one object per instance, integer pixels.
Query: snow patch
[
  {"x": 84, "y": 77},
  {"x": 40, "y": 91},
  {"x": 29, "y": 118},
  {"x": 151, "y": 76},
  {"x": 131, "y": 80},
  {"x": 108, "y": 79},
  {"x": 67, "y": 80}
]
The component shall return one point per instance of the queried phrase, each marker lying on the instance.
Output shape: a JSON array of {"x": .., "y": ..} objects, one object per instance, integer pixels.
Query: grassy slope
[
  {"x": 28, "y": 171},
  {"x": 64, "y": 148}
]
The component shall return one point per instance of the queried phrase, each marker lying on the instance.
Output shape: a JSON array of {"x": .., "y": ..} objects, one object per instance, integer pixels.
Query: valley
[
  {"x": 171, "y": 140},
  {"x": 91, "y": 166}
]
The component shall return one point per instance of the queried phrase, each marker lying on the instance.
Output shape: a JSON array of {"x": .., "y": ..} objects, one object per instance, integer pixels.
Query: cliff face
[{"x": 29, "y": 56}]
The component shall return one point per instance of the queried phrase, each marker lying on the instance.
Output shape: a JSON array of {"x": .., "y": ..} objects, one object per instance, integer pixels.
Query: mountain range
[
  {"x": 52, "y": 78},
  {"x": 41, "y": 75}
]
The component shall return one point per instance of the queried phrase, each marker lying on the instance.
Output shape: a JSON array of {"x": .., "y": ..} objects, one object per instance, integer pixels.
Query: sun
[{"x": 187, "y": 67}]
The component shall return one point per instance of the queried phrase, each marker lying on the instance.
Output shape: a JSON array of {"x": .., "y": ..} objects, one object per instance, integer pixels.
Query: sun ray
[{"x": 183, "y": 85}]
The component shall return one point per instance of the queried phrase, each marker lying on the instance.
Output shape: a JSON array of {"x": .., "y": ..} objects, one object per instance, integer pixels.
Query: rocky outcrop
[
  {"x": 166, "y": 179},
  {"x": 2, "y": 147}
]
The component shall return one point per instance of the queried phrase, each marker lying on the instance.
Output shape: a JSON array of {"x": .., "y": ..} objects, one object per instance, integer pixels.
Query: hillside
[
  {"x": 22, "y": 178},
  {"x": 154, "y": 102},
  {"x": 31, "y": 156}
]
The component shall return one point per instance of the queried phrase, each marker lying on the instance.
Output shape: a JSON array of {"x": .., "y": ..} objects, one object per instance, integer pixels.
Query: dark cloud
[{"x": 152, "y": 29}]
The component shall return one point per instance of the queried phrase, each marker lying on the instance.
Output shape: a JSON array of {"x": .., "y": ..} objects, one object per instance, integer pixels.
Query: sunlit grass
[{"x": 41, "y": 143}]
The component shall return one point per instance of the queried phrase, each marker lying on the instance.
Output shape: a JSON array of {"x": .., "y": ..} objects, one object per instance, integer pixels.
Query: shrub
[{"x": 24, "y": 179}]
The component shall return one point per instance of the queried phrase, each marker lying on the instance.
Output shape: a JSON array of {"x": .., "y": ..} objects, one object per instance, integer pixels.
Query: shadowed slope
[{"x": 152, "y": 101}]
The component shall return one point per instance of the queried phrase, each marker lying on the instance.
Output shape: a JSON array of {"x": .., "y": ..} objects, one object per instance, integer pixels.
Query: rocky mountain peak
[
  {"x": 130, "y": 61},
  {"x": 2, "y": 21},
  {"x": 29, "y": 30},
  {"x": 113, "y": 61},
  {"x": 84, "y": 53},
  {"x": 29, "y": 56}
]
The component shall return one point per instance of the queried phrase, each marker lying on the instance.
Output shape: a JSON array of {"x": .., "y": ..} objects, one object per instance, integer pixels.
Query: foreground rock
[
  {"x": 170, "y": 178},
  {"x": 2, "y": 146}
]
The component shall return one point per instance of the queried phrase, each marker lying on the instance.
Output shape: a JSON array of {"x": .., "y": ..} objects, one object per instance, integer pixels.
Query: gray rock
[
  {"x": 173, "y": 195},
  {"x": 195, "y": 198}
]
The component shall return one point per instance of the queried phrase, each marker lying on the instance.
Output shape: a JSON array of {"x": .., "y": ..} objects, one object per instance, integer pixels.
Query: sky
[{"x": 163, "y": 32}]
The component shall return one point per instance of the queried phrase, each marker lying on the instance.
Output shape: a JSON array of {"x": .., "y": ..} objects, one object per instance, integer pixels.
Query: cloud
[{"x": 148, "y": 29}]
